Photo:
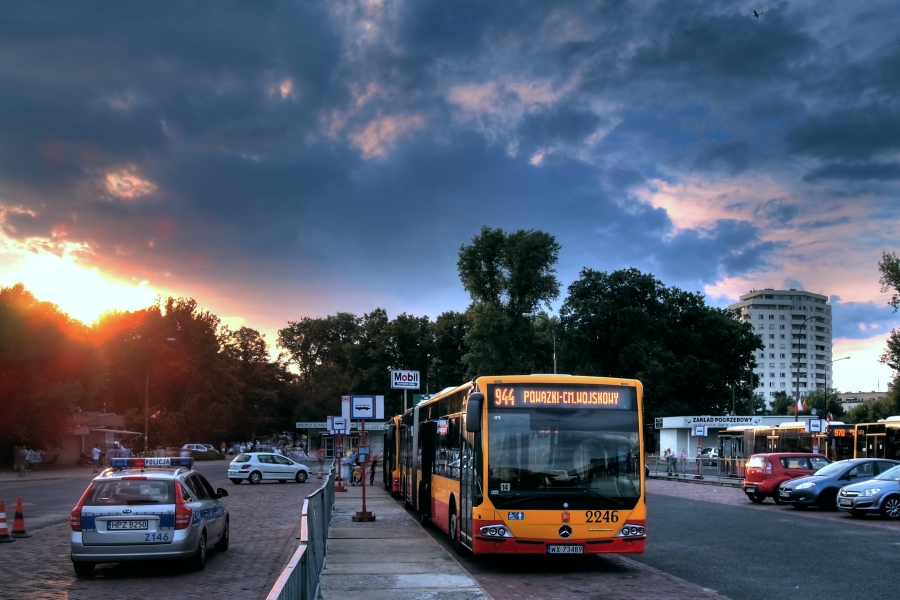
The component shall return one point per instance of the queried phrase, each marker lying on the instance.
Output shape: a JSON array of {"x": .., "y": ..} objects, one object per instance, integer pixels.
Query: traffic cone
[
  {"x": 19, "y": 522},
  {"x": 4, "y": 528},
  {"x": 319, "y": 474}
]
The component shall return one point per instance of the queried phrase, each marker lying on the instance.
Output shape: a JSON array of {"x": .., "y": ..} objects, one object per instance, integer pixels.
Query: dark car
[
  {"x": 765, "y": 472},
  {"x": 821, "y": 488},
  {"x": 879, "y": 495}
]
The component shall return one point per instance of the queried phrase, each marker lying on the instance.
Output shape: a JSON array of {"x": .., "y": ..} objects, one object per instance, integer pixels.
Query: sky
[{"x": 278, "y": 160}]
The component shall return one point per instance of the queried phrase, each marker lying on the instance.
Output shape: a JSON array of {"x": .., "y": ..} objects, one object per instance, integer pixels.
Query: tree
[
  {"x": 758, "y": 404},
  {"x": 825, "y": 402},
  {"x": 890, "y": 281},
  {"x": 505, "y": 275},
  {"x": 47, "y": 368},
  {"x": 688, "y": 356},
  {"x": 783, "y": 404}
]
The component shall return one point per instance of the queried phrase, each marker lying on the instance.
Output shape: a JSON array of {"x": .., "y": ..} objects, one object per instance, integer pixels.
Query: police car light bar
[{"x": 175, "y": 461}]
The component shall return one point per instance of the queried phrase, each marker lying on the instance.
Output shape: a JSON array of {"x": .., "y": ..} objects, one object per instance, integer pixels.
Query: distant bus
[
  {"x": 529, "y": 464},
  {"x": 878, "y": 440},
  {"x": 737, "y": 444}
]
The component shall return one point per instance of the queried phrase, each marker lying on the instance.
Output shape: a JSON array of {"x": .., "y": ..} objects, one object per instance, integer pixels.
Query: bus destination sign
[{"x": 553, "y": 396}]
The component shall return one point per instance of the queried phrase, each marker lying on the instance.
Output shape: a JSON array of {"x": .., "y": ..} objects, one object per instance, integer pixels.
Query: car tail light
[
  {"x": 183, "y": 513},
  {"x": 245, "y": 467},
  {"x": 768, "y": 467},
  {"x": 75, "y": 515}
]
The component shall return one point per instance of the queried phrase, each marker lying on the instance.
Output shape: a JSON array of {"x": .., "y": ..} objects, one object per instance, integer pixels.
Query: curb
[{"x": 730, "y": 484}]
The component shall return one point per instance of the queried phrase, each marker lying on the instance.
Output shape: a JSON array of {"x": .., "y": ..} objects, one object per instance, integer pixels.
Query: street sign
[
  {"x": 405, "y": 380},
  {"x": 698, "y": 430},
  {"x": 339, "y": 425},
  {"x": 366, "y": 407},
  {"x": 813, "y": 426},
  {"x": 419, "y": 398}
]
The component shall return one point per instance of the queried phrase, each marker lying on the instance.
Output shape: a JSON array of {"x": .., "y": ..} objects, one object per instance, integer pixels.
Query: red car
[{"x": 765, "y": 472}]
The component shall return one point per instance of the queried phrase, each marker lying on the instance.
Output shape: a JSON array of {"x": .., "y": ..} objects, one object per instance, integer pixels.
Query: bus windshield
[{"x": 555, "y": 458}]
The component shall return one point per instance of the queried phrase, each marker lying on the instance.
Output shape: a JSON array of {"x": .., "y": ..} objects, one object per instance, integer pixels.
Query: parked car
[
  {"x": 765, "y": 472},
  {"x": 879, "y": 495},
  {"x": 710, "y": 456},
  {"x": 258, "y": 466},
  {"x": 148, "y": 509},
  {"x": 821, "y": 488}
]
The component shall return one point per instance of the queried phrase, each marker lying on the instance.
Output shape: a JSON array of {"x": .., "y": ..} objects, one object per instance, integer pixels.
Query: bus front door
[
  {"x": 466, "y": 489},
  {"x": 429, "y": 445}
]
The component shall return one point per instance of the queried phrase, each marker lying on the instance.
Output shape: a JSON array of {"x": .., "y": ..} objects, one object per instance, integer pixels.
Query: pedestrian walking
[
  {"x": 372, "y": 471},
  {"x": 683, "y": 456},
  {"x": 21, "y": 460},
  {"x": 95, "y": 456}
]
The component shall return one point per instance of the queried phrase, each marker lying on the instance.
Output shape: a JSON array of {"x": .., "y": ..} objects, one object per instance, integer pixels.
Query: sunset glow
[{"x": 83, "y": 293}]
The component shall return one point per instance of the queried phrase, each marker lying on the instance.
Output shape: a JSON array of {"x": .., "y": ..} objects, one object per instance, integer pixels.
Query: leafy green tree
[
  {"x": 47, "y": 367},
  {"x": 505, "y": 275},
  {"x": 783, "y": 404},
  {"x": 825, "y": 402},
  {"x": 758, "y": 404},
  {"x": 890, "y": 282},
  {"x": 688, "y": 355},
  {"x": 449, "y": 333},
  {"x": 873, "y": 410}
]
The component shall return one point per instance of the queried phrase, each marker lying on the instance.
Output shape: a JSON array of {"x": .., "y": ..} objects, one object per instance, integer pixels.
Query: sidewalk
[
  {"x": 390, "y": 558},
  {"x": 48, "y": 473}
]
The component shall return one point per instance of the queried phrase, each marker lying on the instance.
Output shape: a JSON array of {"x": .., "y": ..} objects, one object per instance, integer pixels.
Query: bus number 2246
[{"x": 602, "y": 516}]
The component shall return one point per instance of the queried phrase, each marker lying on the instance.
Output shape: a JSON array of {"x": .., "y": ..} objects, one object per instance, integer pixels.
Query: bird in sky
[
  {"x": 757, "y": 14},
  {"x": 672, "y": 36},
  {"x": 687, "y": 32}
]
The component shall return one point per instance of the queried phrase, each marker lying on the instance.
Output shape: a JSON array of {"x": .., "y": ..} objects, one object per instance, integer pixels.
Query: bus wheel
[{"x": 454, "y": 534}]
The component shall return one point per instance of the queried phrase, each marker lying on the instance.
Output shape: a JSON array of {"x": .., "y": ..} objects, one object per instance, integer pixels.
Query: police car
[{"x": 148, "y": 509}]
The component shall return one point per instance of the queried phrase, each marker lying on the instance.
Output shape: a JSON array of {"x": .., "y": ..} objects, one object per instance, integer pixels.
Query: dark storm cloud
[
  {"x": 323, "y": 144},
  {"x": 861, "y": 320},
  {"x": 877, "y": 171},
  {"x": 728, "y": 249}
]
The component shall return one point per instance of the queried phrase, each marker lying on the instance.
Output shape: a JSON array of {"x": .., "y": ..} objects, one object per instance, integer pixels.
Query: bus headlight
[
  {"x": 499, "y": 531},
  {"x": 630, "y": 530}
]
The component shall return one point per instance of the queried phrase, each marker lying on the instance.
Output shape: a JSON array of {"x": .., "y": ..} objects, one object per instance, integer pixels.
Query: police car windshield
[{"x": 127, "y": 491}]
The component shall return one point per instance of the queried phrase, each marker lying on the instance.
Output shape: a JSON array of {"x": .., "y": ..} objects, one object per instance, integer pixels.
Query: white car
[{"x": 258, "y": 466}]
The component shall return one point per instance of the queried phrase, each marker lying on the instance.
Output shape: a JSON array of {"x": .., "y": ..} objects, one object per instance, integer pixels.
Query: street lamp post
[
  {"x": 552, "y": 331},
  {"x": 147, "y": 402},
  {"x": 797, "y": 389}
]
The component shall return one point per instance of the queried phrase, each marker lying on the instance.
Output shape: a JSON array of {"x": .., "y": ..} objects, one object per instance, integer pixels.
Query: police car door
[{"x": 205, "y": 505}]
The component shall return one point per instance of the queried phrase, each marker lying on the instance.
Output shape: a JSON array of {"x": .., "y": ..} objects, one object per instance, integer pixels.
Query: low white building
[{"x": 675, "y": 432}]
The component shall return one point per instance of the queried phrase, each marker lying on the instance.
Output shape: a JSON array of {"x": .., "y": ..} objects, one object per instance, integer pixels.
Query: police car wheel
[
  {"x": 255, "y": 477},
  {"x": 222, "y": 544},
  {"x": 84, "y": 569},
  {"x": 236, "y": 481},
  {"x": 301, "y": 477},
  {"x": 198, "y": 561}
]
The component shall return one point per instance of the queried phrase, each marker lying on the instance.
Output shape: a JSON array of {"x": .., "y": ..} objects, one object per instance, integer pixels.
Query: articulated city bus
[
  {"x": 529, "y": 464},
  {"x": 878, "y": 440},
  {"x": 737, "y": 444},
  {"x": 390, "y": 469}
]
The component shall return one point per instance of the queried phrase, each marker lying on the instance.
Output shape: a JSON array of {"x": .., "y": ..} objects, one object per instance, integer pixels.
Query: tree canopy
[{"x": 688, "y": 356}]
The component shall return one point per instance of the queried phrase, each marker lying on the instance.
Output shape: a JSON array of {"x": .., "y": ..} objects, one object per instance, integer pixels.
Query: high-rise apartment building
[{"x": 795, "y": 327}]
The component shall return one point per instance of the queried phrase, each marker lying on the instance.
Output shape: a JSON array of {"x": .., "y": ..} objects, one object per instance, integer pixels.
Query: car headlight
[
  {"x": 871, "y": 492},
  {"x": 807, "y": 485}
]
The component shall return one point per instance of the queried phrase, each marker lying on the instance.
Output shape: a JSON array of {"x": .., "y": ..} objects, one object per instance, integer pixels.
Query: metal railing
[
  {"x": 715, "y": 468},
  {"x": 300, "y": 578}
]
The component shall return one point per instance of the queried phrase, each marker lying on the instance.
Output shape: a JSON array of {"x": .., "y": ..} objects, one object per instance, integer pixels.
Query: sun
[{"x": 82, "y": 293}]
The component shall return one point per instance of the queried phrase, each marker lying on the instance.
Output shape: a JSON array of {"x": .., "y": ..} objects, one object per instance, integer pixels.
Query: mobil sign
[{"x": 405, "y": 380}]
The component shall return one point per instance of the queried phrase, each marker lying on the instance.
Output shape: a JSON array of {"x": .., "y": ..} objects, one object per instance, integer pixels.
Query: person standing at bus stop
[
  {"x": 669, "y": 457},
  {"x": 372, "y": 470}
]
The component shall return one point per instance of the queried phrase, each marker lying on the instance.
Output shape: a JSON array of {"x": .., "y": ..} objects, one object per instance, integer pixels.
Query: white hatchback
[{"x": 258, "y": 466}]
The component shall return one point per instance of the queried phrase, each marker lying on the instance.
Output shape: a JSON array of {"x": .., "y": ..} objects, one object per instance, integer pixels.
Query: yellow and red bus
[
  {"x": 391, "y": 466},
  {"x": 529, "y": 464}
]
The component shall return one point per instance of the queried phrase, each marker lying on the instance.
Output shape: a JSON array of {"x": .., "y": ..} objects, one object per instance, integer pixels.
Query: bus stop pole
[{"x": 363, "y": 515}]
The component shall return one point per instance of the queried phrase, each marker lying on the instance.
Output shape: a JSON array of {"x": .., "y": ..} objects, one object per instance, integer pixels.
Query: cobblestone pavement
[{"x": 265, "y": 522}]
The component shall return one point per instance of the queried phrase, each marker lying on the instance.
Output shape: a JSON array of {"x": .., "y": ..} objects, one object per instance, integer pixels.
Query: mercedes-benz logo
[{"x": 565, "y": 532}]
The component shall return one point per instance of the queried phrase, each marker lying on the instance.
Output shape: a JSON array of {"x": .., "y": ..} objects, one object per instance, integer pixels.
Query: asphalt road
[
  {"x": 49, "y": 502},
  {"x": 725, "y": 546}
]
